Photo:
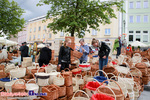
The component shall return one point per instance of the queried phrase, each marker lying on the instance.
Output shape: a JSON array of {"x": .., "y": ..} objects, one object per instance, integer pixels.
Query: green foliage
[
  {"x": 10, "y": 18},
  {"x": 77, "y": 16},
  {"x": 139, "y": 47}
]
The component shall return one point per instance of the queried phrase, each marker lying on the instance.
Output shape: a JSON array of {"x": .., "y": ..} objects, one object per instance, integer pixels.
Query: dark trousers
[
  {"x": 102, "y": 63},
  {"x": 118, "y": 52},
  {"x": 64, "y": 65},
  {"x": 42, "y": 62}
]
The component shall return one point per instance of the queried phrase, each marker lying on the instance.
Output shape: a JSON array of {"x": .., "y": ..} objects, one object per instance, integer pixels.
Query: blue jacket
[{"x": 85, "y": 53}]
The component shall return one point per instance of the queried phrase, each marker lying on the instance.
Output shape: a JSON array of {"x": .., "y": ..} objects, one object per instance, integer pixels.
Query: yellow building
[{"x": 38, "y": 31}]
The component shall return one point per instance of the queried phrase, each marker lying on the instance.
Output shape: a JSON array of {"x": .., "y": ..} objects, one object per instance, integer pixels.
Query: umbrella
[
  {"x": 40, "y": 46},
  {"x": 137, "y": 43},
  {"x": 2, "y": 40}
]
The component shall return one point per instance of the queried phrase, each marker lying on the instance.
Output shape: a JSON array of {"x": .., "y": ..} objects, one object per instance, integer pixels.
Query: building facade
[
  {"x": 136, "y": 20},
  {"x": 22, "y": 36},
  {"x": 38, "y": 32}
]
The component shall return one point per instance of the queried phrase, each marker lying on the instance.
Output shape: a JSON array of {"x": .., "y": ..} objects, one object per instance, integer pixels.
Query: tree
[
  {"x": 75, "y": 16},
  {"x": 10, "y": 18}
]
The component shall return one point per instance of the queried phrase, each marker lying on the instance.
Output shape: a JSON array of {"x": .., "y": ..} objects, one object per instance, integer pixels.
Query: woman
[
  {"x": 94, "y": 47},
  {"x": 64, "y": 59}
]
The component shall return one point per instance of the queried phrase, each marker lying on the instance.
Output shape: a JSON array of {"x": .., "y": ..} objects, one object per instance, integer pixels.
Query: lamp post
[{"x": 124, "y": 24}]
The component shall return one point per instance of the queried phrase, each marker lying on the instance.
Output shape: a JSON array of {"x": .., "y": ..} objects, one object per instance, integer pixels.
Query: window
[
  {"x": 30, "y": 30},
  {"x": 34, "y": 29},
  {"x": 30, "y": 37},
  {"x": 131, "y": 5},
  {"x": 39, "y": 28},
  {"x": 130, "y": 37},
  {"x": 39, "y": 36},
  {"x": 130, "y": 31},
  {"x": 138, "y": 38},
  {"x": 131, "y": 19},
  {"x": 49, "y": 35},
  {"x": 145, "y": 31},
  {"x": 45, "y": 28},
  {"x": 61, "y": 33},
  {"x": 94, "y": 32},
  {"x": 138, "y": 4},
  {"x": 33, "y": 37},
  {"x": 43, "y": 36},
  {"x": 145, "y": 38},
  {"x": 145, "y": 18},
  {"x": 138, "y": 31},
  {"x": 138, "y": 19},
  {"x": 107, "y": 31},
  {"x": 145, "y": 4}
]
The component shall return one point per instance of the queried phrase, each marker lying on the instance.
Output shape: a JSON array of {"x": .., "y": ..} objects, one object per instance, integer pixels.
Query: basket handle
[
  {"x": 101, "y": 71},
  {"x": 112, "y": 76},
  {"x": 31, "y": 80},
  {"x": 130, "y": 74},
  {"x": 84, "y": 62},
  {"x": 53, "y": 71},
  {"x": 109, "y": 89},
  {"x": 78, "y": 75},
  {"x": 144, "y": 58},
  {"x": 39, "y": 69},
  {"x": 18, "y": 81},
  {"x": 82, "y": 92},
  {"x": 59, "y": 75},
  {"x": 114, "y": 82},
  {"x": 137, "y": 54},
  {"x": 66, "y": 68},
  {"x": 137, "y": 70}
]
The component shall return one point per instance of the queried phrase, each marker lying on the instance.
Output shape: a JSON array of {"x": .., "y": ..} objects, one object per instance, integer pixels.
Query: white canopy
[
  {"x": 137, "y": 43},
  {"x": 11, "y": 43},
  {"x": 2, "y": 40},
  {"x": 40, "y": 46}
]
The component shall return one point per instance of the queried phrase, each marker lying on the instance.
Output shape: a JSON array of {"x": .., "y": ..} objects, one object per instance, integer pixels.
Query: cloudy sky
[{"x": 31, "y": 9}]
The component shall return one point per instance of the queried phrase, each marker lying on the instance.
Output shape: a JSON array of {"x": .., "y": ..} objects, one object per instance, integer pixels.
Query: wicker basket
[
  {"x": 136, "y": 58},
  {"x": 2, "y": 74},
  {"x": 68, "y": 79},
  {"x": 80, "y": 98},
  {"x": 52, "y": 92},
  {"x": 29, "y": 77},
  {"x": 61, "y": 89},
  {"x": 136, "y": 91},
  {"x": 76, "y": 71},
  {"x": 118, "y": 94},
  {"x": 94, "y": 67},
  {"x": 67, "y": 73},
  {"x": 77, "y": 54},
  {"x": 140, "y": 65},
  {"x": 78, "y": 80},
  {"x": 144, "y": 53},
  {"x": 63, "y": 98},
  {"x": 49, "y": 68},
  {"x": 18, "y": 87},
  {"x": 41, "y": 69},
  {"x": 110, "y": 70},
  {"x": 75, "y": 87},
  {"x": 69, "y": 90},
  {"x": 59, "y": 80}
]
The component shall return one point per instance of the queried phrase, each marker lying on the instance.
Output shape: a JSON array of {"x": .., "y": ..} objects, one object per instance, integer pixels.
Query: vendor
[
  {"x": 85, "y": 50},
  {"x": 129, "y": 48},
  {"x": 64, "y": 59}
]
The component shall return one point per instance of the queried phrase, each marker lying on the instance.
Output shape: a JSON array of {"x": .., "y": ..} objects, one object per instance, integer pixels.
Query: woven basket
[
  {"x": 2, "y": 74},
  {"x": 61, "y": 89},
  {"x": 68, "y": 79},
  {"x": 77, "y": 54},
  {"x": 76, "y": 71},
  {"x": 18, "y": 87},
  {"x": 69, "y": 90},
  {"x": 94, "y": 67},
  {"x": 52, "y": 92},
  {"x": 136, "y": 58},
  {"x": 49, "y": 68},
  {"x": 59, "y": 80},
  {"x": 29, "y": 77},
  {"x": 144, "y": 53},
  {"x": 64, "y": 72},
  {"x": 78, "y": 80},
  {"x": 140, "y": 65},
  {"x": 110, "y": 69},
  {"x": 136, "y": 91},
  {"x": 63, "y": 98},
  {"x": 75, "y": 87},
  {"x": 41, "y": 69},
  {"x": 80, "y": 98}
]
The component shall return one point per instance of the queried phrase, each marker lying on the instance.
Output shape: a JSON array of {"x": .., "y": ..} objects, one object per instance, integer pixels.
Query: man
[
  {"x": 45, "y": 56},
  {"x": 117, "y": 46},
  {"x": 103, "y": 53},
  {"x": 85, "y": 50},
  {"x": 24, "y": 50}
]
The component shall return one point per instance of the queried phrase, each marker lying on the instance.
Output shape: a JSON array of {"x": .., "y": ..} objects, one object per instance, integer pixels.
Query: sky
[{"x": 31, "y": 10}]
